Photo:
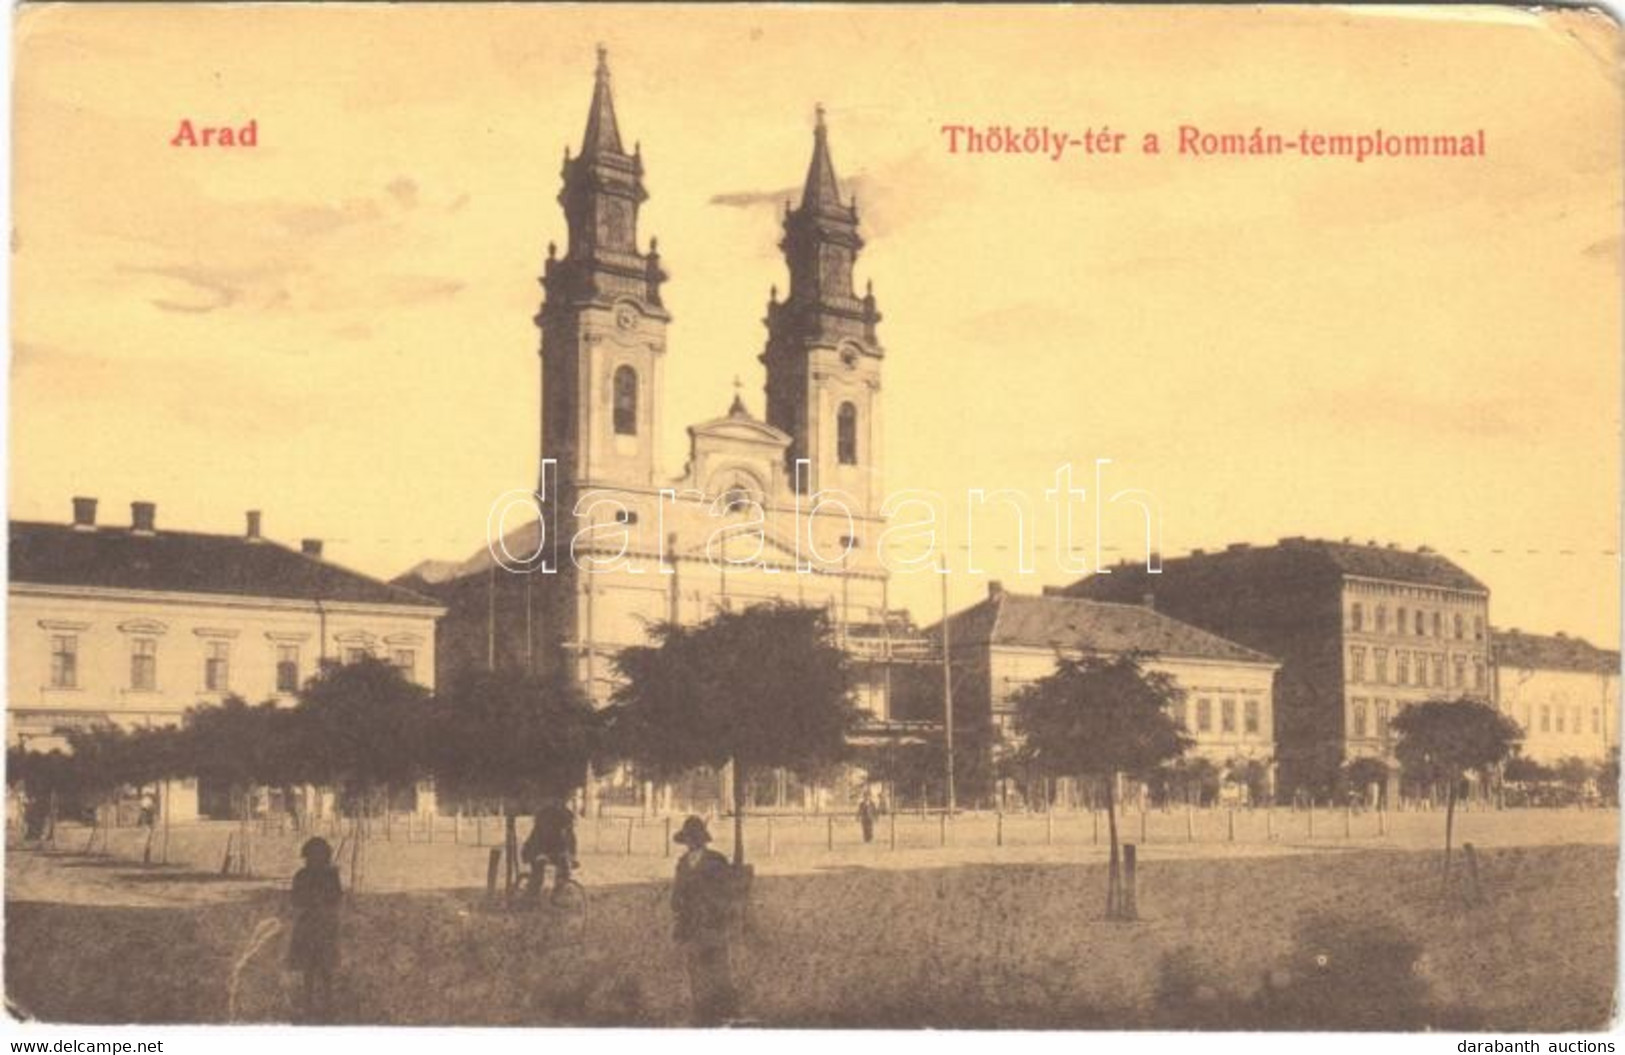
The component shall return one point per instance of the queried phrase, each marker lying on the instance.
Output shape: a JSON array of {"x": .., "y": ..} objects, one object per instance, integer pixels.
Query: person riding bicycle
[{"x": 552, "y": 840}]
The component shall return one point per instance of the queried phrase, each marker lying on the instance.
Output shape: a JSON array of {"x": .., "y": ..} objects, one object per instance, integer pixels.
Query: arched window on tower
[
  {"x": 626, "y": 401},
  {"x": 846, "y": 434}
]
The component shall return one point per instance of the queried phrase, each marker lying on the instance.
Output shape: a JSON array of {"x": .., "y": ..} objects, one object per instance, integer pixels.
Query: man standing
[
  {"x": 701, "y": 894},
  {"x": 866, "y": 816}
]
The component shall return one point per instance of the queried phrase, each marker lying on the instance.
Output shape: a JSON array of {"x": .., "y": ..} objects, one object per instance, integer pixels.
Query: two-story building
[
  {"x": 1563, "y": 691},
  {"x": 1009, "y": 640},
  {"x": 133, "y": 625}
]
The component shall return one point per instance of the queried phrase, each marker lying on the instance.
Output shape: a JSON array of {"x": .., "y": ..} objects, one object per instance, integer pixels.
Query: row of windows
[
  {"x": 624, "y": 415},
  {"x": 1415, "y": 668},
  {"x": 1227, "y": 716},
  {"x": 216, "y": 664},
  {"x": 1381, "y": 714},
  {"x": 1415, "y": 622},
  {"x": 1564, "y": 720}
]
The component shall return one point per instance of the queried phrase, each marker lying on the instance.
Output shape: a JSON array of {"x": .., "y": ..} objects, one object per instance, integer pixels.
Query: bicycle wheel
[{"x": 569, "y": 903}]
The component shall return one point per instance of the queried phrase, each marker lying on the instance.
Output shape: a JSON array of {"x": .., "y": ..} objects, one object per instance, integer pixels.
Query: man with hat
[{"x": 701, "y": 894}]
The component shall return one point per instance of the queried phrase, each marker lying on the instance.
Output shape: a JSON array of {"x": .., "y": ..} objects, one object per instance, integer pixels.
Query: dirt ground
[{"x": 965, "y": 935}]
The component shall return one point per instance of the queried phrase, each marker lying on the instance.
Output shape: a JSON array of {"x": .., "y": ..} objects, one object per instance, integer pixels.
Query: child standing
[{"x": 314, "y": 948}]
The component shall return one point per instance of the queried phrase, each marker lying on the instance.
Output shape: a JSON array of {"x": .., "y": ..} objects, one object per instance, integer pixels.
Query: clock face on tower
[{"x": 626, "y": 317}]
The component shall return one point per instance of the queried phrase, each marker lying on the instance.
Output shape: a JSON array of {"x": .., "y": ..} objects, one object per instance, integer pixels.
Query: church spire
[
  {"x": 603, "y": 189},
  {"x": 603, "y": 134},
  {"x": 821, "y": 190}
]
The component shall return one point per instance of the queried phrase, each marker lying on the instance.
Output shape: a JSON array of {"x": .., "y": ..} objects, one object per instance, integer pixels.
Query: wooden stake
[
  {"x": 492, "y": 865},
  {"x": 1131, "y": 897}
]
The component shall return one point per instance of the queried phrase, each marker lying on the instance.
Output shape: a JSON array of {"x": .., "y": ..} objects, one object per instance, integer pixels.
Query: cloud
[
  {"x": 212, "y": 291},
  {"x": 404, "y": 191},
  {"x": 414, "y": 289},
  {"x": 749, "y": 199},
  {"x": 325, "y": 219}
]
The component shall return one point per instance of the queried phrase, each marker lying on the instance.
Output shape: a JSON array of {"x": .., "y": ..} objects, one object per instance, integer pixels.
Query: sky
[{"x": 335, "y": 325}]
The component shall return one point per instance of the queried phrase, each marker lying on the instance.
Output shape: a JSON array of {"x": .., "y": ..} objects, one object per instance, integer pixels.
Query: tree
[
  {"x": 360, "y": 726},
  {"x": 1100, "y": 717},
  {"x": 1523, "y": 770},
  {"x": 1441, "y": 740},
  {"x": 1608, "y": 777},
  {"x": 1366, "y": 772},
  {"x": 762, "y": 687},
  {"x": 1574, "y": 773},
  {"x": 1252, "y": 774},
  {"x": 512, "y": 737}
]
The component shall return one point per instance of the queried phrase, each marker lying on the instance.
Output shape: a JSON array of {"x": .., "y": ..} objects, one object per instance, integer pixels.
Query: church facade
[{"x": 787, "y": 508}]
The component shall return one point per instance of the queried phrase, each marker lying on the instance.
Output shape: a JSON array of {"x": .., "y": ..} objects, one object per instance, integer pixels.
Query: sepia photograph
[{"x": 1090, "y": 519}]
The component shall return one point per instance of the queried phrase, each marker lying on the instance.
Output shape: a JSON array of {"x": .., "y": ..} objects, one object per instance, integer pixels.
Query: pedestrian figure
[
  {"x": 701, "y": 894},
  {"x": 314, "y": 948},
  {"x": 552, "y": 839},
  {"x": 149, "y": 809},
  {"x": 866, "y": 817}
]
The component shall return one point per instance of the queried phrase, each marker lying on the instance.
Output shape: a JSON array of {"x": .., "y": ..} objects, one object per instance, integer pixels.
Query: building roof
[
  {"x": 188, "y": 562},
  {"x": 1051, "y": 621},
  {"x": 1514, "y": 648},
  {"x": 1308, "y": 556}
]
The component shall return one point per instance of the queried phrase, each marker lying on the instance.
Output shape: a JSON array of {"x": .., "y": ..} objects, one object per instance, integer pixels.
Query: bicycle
[{"x": 567, "y": 901}]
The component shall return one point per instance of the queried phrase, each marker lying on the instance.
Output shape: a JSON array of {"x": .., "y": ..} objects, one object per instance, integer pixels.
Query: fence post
[
  {"x": 493, "y": 863},
  {"x": 1190, "y": 823},
  {"x": 667, "y": 842},
  {"x": 1231, "y": 824},
  {"x": 629, "y": 823},
  {"x": 1143, "y": 839},
  {"x": 457, "y": 826},
  {"x": 1094, "y": 815},
  {"x": 1131, "y": 897},
  {"x": 1382, "y": 821},
  {"x": 829, "y": 839},
  {"x": 998, "y": 828},
  {"x": 942, "y": 829},
  {"x": 1348, "y": 822},
  {"x": 893, "y": 825},
  {"x": 1269, "y": 823}
]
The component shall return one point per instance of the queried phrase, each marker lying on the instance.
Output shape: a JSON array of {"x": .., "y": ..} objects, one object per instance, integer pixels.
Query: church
[{"x": 783, "y": 509}]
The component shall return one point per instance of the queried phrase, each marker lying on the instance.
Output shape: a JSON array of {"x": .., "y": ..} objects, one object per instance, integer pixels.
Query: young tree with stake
[{"x": 1099, "y": 717}]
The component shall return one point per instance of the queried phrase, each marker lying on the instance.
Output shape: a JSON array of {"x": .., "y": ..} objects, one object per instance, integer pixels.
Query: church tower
[
  {"x": 822, "y": 356},
  {"x": 603, "y": 325}
]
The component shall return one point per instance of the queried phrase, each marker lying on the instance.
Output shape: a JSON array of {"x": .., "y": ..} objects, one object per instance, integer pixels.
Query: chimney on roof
[
  {"x": 143, "y": 518},
  {"x": 995, "y": 589},
  {"x": 1237, "y": 547},
  {"x": 84, "y": 514},
  {"x": 253, "y": 531},
  {"x": 311, "y": 547},
  {"x": 1198, "y": 552}
]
